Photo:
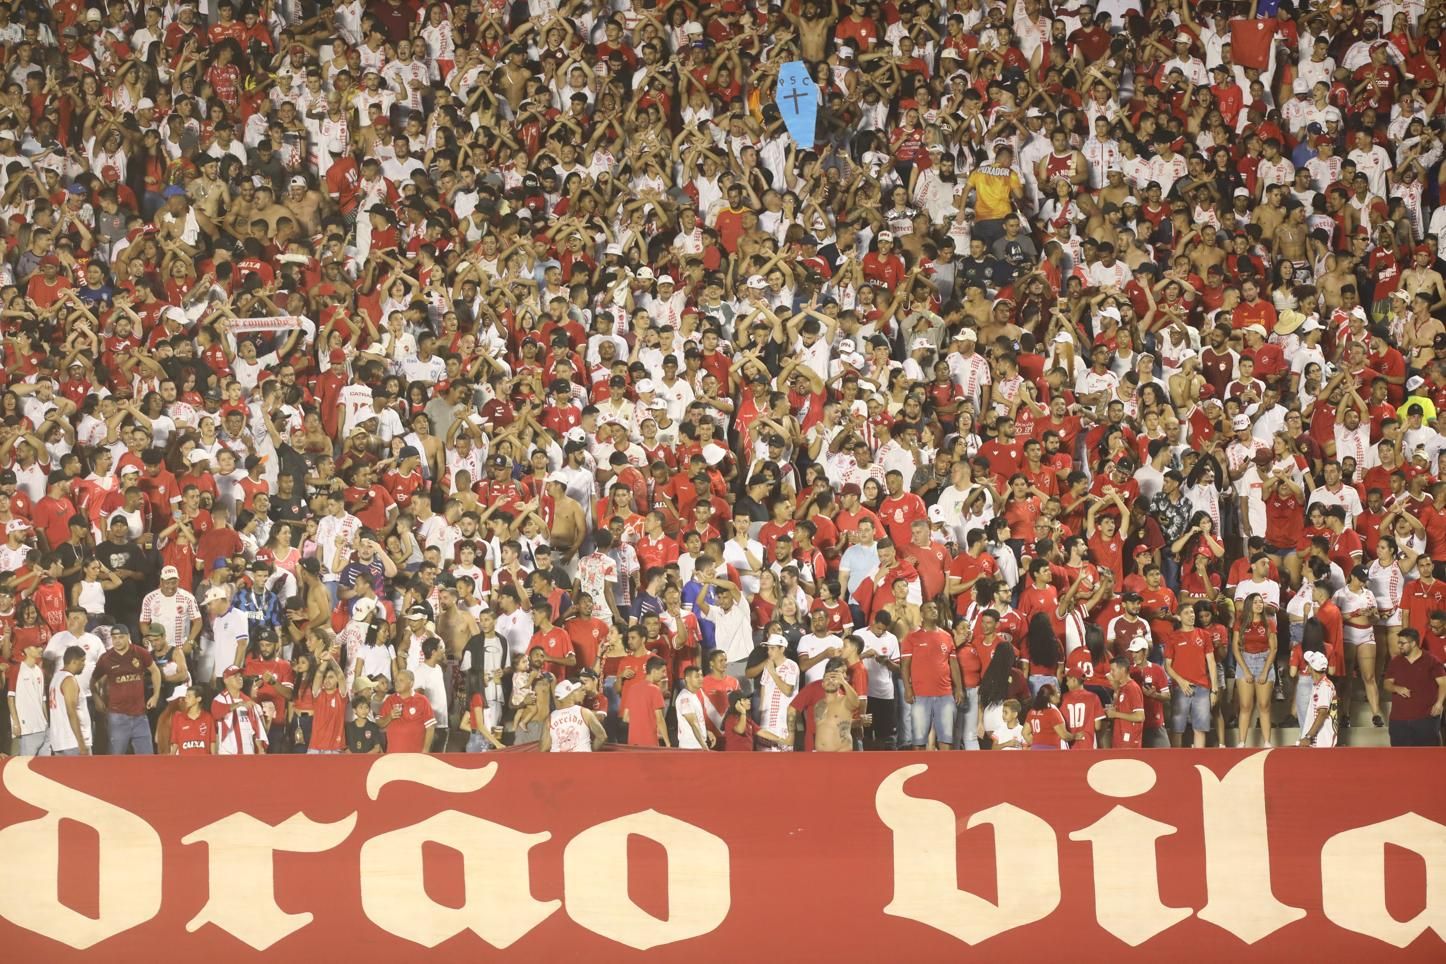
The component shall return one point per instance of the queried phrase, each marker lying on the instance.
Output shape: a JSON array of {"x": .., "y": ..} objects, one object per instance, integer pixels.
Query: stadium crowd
[{"x": 438, "y": 376}]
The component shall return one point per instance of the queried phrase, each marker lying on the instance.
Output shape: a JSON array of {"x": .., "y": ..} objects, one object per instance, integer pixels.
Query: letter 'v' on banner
[{"x": 797, "y": 98}]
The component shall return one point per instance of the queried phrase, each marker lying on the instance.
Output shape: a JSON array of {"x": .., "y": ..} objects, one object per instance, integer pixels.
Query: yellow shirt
[
  {"x": 993, "y": 187},
  {"x": 1428, "y": 408}
]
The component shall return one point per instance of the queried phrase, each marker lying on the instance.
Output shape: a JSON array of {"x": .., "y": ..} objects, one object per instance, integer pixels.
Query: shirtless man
[
  {"x": 242, "y": 209},
  {"x": 267, "y": 210},
  {"x": 208, "y": 192},
  {"x": 304, "y": 205},
  {"x": 813, "y": 30},
  {"x": 1291, "y": 236},
  {"x": 515, "y": 75},
  {"x": 905, "y": 615},
  {"x": 1270, "y": 215},
  {"x": 454, "y": 625},
  {"x": 1206, "y": 252},
  {"x": 1337, "y": 276},
  {"x": 568, "y": 524},
  {"x": 833, "y": 716},
  {"x": 1422, "y": 278}
]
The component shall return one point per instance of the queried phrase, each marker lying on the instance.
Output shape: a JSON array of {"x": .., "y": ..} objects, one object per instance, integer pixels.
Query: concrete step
[
  {"x": 1285, "y": 729},
  {"x": 1290, "y": 735}
]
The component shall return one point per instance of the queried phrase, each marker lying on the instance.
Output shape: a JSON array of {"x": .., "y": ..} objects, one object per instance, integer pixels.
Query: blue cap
[
  {"x": 175, "y": 190},
  {"x": 77, "y": 189}
]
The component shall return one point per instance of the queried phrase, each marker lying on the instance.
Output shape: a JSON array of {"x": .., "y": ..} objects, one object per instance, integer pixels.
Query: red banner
[{"x": 1285, "y": 855}]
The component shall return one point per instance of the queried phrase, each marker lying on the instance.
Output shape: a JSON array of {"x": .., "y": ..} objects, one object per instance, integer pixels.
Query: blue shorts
[
  {"x": 1191, "y": 711},
  {"x": 1258, "y": 665},
  {"x": 933, "y": 712}
]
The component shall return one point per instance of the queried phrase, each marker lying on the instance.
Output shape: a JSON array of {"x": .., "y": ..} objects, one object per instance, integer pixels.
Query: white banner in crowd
[{"x": 247, "y": 326}]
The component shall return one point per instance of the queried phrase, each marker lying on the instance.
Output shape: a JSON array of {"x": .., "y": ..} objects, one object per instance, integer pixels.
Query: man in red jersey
[
  {"x": 1082, "y": 711},
  {"x": 554, "y": 642},
  {"x": 901, "y": 509},
  {"x": 1128, "y": 708},
  {"x": 1155, "y": 686},
  {"x": 643, "y": 706},
  {"x": 329, "y": 710},
  {"x": 407, "y": 718},
  {"x": 930, "y": 558},
  {"x": 933, "y": 687},
  {"x": 193, "y": 732},
  {"x": 1422, "y": 596},
  {"x": 1190, "y": 664}
]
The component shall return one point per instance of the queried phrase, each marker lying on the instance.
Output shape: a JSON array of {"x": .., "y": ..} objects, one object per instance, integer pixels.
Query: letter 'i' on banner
[{"x": 797, "y": 98}]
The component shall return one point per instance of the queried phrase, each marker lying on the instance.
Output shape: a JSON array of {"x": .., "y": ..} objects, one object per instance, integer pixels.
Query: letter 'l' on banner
[{"x": 797, "y": 97}]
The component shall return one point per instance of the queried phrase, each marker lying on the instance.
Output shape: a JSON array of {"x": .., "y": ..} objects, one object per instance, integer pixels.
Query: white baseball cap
[
  {"x": 565, "y": 689},
  {"x": 1140, "y": 645},
  {"x": 1317, "y": 661},
  {"x": 363, "y": 609},
  {"x": 216, "y": 594},
  {"x": 1240, "y": 423},
  {"x": 170, "y": 572}
]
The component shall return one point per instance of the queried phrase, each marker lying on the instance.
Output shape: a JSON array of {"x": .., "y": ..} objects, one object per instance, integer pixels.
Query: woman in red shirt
[
  {"x": 1045, "y": 729},
  {"x": 1021, "y": 510},
  {"x": 1254, "y": 652}
]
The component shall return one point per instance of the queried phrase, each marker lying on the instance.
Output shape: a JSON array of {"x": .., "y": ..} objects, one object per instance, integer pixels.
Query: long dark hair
[
  {"x": 1043, "y": 644},
  {"x": 994, "y": 684}
]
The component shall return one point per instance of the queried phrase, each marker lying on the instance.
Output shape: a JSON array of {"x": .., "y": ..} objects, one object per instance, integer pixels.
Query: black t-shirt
[
  {"x": 982, "y": 272},
  {"x": 292, "y": 511},
  {"x": 70, "y": 555},
  {"x": 365, "y": 737},
  {"x": 121, "y": 555}
]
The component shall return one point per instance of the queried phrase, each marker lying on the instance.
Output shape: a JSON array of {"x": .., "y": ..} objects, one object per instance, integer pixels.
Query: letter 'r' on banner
[{"x": 797, "y": 98}]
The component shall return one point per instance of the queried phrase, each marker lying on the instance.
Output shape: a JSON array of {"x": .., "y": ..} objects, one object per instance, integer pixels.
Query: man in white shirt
[
  {"x": 230, "y": 635},
  {"x": 1336, "y": 492},
  {"x": 1372, "y": 160},
  {"x": 693, "y": 731},
  {"x": 880, "y": 651},
  {"x": 816, "y": 648},
  {"x": 429, "y": 679},
  {"x": 732, "y": 627},
  {"x": 74, "y": 634}
]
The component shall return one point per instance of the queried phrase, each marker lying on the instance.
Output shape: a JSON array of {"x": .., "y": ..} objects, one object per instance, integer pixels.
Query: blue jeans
[
  {"x": 1304, "y": 690},
  {"x": 477, "y": 743},
  {"x": 967, "y": 731},
  {"x": 906, "y": 715},
  {"x": 35, "y": 744},
  {"x": 129, "y": 732},
  {"x": 1192, "y": 711},
  {"x": 936, "y": 713}
]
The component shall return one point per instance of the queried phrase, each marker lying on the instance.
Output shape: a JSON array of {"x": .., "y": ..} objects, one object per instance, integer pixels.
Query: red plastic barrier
[{"x": 1285, "y": 855}]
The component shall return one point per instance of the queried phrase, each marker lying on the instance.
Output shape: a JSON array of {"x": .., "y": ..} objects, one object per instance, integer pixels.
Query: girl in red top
[
  {"x": 740, "y": 734},
  {"x": 1021, "y": 510},
  {"x": 1254, "y": 651},
  {"x": 1045, "y": 729},
  {"x": 193, "y": 732}
]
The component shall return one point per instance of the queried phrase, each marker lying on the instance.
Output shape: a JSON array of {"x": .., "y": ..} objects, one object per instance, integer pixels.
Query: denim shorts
[
  {"x": 1192, "y": 711},
  {"x": 1257, "y": 664},
  {"x": 936, "y": 712}
]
